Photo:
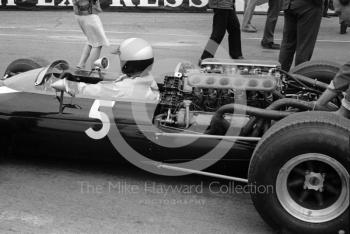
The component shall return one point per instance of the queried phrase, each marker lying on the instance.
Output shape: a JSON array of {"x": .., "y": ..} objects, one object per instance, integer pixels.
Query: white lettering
[
  {"x": 145, "y": 3},
  {"x": 203, "y": 4},
  {"x": 118, "y": 3},
  {"x": 125, "y": 3},
  {"x": 177, "y": 3},
  {"x": 11, "y": 3},
  {"x": 63, "y": 3},
  {"x": 44, "y": 3}
]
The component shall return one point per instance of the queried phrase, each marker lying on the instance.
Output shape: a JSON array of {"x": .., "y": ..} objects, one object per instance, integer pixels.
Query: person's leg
[
  {"x": 325, "y": 8},
  {"x": 248, "y": 14},
  {"x": 95, "y": 54},
  {"x": 234, "y": 35},
  {"x": 84, "y": 56},
  {"x": 288, "y": 41},
  {"x": 309, "y": 22},
  {"x": 218, "y": 33},
  {"x": 245, "y": 5},
  {"x": 343, "y": 27},
  {"x": 271, "y": 20},
  {"x": 4, "y": 3}
]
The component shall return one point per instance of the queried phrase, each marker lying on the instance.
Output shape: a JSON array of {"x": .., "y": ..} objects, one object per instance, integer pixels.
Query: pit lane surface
[
  {"x": 174, "y": 36},
  {"x": 61, "y": 196}
]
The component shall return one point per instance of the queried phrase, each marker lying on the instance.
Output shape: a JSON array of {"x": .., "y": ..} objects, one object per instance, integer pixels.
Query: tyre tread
[{"x": 316, "y": 118}]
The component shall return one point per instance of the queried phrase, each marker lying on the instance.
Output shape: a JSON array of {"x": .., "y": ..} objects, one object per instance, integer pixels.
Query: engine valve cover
[{"x": 232, "y": 81}]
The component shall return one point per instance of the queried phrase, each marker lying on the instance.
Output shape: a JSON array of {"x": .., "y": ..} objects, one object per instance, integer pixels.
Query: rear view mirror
[{"x": 101, "y": 63}]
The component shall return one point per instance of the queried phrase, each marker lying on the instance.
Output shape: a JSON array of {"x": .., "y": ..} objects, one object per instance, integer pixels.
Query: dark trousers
[
  {"x": 300, "y": 31},
  {"x": 325, "y": 7},
  {"x": 271, "y": 20},
  {"x": 224, "y": 20}
]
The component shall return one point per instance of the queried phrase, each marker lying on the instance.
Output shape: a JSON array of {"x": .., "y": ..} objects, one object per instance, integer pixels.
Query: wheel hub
[
  {"x": 313, "y": 187},
  {"x": 314, "y": 181}
]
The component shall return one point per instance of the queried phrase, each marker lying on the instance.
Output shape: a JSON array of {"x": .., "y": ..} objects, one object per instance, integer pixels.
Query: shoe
[
  {"x": 249, "y": 29},
  {"x": 343, "y": 27},
  {"x": 326, "y": 16},
  {"x": 271, "y": 45}
]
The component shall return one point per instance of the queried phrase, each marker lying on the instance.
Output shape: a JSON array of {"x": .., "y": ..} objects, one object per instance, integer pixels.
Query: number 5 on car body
[{"x": 103, "y": 117}]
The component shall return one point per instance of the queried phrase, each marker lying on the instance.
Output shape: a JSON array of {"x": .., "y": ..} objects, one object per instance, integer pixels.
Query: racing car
[{"x": 242, "y": 110}]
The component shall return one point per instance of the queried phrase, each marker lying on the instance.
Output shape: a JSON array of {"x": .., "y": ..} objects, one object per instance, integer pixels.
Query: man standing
[
  {"x": 267, "y": 41},
  {"x": 342, "y": 7},
  {"x": 302, "y": 21},
  {"x": 225, "y": 19}
]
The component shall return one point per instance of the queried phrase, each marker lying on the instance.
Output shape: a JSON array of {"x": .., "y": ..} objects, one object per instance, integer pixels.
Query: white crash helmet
[{"x": 136, "y": 55}]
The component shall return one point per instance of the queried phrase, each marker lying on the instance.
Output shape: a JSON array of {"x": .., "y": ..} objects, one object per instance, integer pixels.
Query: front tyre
[{"x": 305, "y": 159}]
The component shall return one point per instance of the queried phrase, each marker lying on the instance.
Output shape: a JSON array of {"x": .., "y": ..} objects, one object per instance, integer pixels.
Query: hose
[
  {"x": 264, "y": 113},
  {"x": 300, "y": 104},
  {"x": 300, "y": 78},
  {"x": 219, "y": 126},
  {"x": 303, "y": 105},
  {"x": 249, "y": 126},
  {"x": 271, "y": 112},
  {"x": 310, "y": 81}
]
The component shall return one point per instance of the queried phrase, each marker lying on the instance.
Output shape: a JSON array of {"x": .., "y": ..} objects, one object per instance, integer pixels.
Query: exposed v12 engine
[{"x": 192, "y": 96}]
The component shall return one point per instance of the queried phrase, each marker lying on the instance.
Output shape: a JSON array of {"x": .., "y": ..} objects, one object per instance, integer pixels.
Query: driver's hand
[{"x": 70, "y": 87}]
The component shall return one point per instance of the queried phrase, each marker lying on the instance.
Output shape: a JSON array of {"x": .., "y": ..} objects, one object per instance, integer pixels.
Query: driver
[{"x": 136, "y": 60}]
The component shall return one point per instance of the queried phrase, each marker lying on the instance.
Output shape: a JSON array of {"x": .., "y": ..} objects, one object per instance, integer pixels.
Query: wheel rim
[{"x": 313, "y": 188}]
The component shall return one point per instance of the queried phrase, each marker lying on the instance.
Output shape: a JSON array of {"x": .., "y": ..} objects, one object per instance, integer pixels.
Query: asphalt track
[{"x": 64, "y": 196}]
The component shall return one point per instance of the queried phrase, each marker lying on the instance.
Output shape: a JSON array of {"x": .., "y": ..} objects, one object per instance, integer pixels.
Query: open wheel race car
[{"x": 246, "y": 110}]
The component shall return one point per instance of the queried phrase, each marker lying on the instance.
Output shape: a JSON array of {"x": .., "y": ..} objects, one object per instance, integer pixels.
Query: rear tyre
[
  {"x": 23, "y": 65},
  {"x": 301, "y": 166},
  {"x": 321, "y": 70}
]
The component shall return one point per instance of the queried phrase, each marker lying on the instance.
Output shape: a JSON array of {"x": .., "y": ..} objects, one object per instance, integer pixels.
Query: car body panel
[{"x": 37, "y": 126}]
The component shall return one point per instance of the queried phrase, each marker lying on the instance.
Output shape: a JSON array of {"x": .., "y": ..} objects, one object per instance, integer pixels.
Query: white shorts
[{"x": 92, "y": 27}]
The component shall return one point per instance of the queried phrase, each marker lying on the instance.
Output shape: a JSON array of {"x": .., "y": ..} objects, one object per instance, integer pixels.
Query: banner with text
[{"x": 110, "y": 5}]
